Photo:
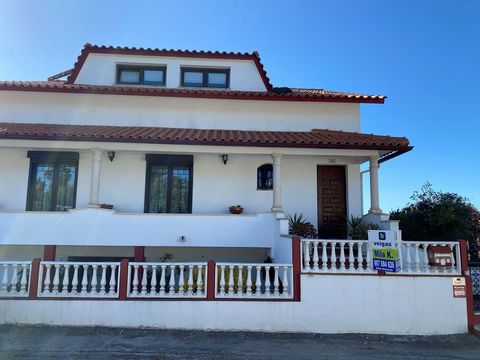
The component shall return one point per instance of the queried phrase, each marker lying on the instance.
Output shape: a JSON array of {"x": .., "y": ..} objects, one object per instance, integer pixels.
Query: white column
[
  {"x": 374, "y": 193},
  {"x": 277, "y": 192},
  {"x": 95, "y": 182}
]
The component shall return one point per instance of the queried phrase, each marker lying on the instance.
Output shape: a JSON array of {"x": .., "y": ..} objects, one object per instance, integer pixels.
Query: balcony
[{"x": 99, "y": 227}]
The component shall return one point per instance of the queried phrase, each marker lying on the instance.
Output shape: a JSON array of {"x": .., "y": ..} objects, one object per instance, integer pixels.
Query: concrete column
[
  {"x": 374, "y": 193},
  {"x": 95, "y": 182},
  {"x": 277, "y": 190}
]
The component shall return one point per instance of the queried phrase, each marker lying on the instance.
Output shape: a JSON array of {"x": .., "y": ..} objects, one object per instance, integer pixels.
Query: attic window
[
  {"x": 209, "y": 78},
  {"x": 141, "y": 75}
]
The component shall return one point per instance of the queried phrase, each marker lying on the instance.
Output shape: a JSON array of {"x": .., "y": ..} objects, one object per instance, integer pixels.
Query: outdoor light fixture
[
  {"x": 224, "y": 158},
  {"x": 111, "y": 155}
]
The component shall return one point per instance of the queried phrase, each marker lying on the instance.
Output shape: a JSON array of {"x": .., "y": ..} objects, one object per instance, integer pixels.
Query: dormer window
[
  {"x": 205, "y": 77},
  {"x": 141, "y": 75}
]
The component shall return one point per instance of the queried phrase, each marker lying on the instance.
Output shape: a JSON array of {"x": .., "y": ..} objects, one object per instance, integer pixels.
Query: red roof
[
  {"x": 89, "y": 48},
  {"x": 293, "y": 94},
  {"x": 318, "y": 138}
]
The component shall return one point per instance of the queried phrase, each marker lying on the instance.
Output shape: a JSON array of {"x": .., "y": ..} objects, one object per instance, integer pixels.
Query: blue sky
[{"x": 424, "y": 55}]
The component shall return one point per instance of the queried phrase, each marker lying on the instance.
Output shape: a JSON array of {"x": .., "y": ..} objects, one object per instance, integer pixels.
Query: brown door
[{"x": 331, "y": 202}]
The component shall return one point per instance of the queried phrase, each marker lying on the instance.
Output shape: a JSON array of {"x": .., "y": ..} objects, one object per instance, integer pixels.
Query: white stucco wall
[
  {"x": 215, "y": 185},
  {"x": 100, "y": 69},
  {"x": 61, "y": 108},
  {"x": 330, "y": 304}
]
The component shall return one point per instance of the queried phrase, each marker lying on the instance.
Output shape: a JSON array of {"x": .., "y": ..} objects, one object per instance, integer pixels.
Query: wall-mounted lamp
[
  {"x": 224, "y": 158},
  {"x": 111, "y": 155}
]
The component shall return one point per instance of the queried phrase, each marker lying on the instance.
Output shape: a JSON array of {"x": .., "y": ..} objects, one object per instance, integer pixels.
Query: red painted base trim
[
  {"x": 34, "y": 274},
  {"x": 123, "y": 282},
  {"x": 49, "y": 252},
  {"x": 212, "y": 265},
  {"x": 296, "y": 267}
]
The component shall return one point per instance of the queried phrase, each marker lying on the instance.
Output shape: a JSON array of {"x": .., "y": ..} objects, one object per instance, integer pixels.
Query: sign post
[{"x": 385, "y": 245}]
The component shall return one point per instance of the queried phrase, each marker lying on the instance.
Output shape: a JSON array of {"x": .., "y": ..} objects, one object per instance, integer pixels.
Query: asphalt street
[{"x": 44, "y": 342}]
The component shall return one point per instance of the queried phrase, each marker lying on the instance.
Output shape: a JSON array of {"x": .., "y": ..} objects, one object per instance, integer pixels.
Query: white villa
[{"x": 124, "y": 168}]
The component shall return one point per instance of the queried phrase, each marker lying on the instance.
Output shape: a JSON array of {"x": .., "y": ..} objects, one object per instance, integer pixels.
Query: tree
[{"x": 435, "y": 215}]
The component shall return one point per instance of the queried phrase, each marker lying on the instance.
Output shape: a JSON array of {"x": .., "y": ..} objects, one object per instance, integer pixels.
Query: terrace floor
[{"x": 42, "y": 342}]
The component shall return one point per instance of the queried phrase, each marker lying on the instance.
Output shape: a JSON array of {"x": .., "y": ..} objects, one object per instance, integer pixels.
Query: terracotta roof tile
[
  {"x": 318, "y": 138},
  {"x": 320, "y": 95}
]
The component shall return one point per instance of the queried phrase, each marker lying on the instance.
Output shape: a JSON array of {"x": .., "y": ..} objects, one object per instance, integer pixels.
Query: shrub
[{"x": 300, "y": 226}]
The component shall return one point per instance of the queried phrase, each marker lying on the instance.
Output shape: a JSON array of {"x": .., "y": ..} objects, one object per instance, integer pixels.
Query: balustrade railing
[
  {"x": 15, "y": 276},
  {"x": 415, "y": 258},
  {"x": 331, "y": 256},
  {"x": 78, "y": 279},
  {"x": 261, "y": 281},
  {"x": 354, "y": 256},
  {"x": 167, "y": 280}
]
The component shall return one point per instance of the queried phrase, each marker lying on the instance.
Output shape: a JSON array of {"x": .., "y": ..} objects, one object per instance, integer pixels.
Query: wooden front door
[{"x": 332, "y": 202}]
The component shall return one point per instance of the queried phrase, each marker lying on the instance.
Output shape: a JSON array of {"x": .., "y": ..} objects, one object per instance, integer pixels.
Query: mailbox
[{"x": 439, "y": 255}]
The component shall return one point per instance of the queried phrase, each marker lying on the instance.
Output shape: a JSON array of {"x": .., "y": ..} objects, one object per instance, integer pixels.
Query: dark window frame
[
  {"x": 170, "y": 161},
  {"x": 261, "y": 168},
  {"x": 205, "y": 72},
  {"x": 50, "y": 157},
  {"x": 141, "y": 69}
]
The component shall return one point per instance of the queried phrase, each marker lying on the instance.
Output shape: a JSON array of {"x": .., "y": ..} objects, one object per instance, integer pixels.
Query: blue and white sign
[{"x": 385, "y": 245}]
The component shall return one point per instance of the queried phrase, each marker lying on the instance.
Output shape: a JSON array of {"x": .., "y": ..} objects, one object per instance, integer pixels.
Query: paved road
[{"x": 43, "y": 342}]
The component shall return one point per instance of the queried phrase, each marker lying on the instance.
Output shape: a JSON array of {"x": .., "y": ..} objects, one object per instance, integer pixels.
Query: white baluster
[
  {"x": 258, "y": 282},
  {"x": 324, "y": 256},
  {"x": 285, "y": 281},
  {"x": 172, "y": 286},
  {"x": 416, "y": 260},
  {"x": 342, "y": 256},
  {"x": 190, "y": 279},
  {"x": 249, "y": 281},
  {"x": 153, "y": 281},
  {"x": 315, "y": 256},
  {"x": 199, "y": 290},
  {"x": 222, "y": 280},
  {"x": 14, "y": 281},
  {"x": 275, "y": 282},
  {"x": 56, "y": 278},
  {"x": 425, "y": 258},
  {"x": 75, "y": 279},
  {"x": 306, "y": 256},
  {"x": 85, "y": 279},
  {"x": 23, "y": 279},
  {"x": 408, "y": 260},
  {"x": 135, "y": 280},
  {"x": 46, "y": 285},
  {"x": 230, "y": 280},
  {"x": 113, "y": 280},
  {"x": 360, "y": 257},
  {"x": 268, "y": 281},
  {"x": 240, "y": 281},
  {"x": 351, "y": 258},
  {"x": 103, "y": 280},
  {"x": 162, "y": 280},
  {"x": 94, "y": 282},
  {"x": 369, "y": 258},
  {"x": 5, "y": 278},
  {"x": 181, "y": 282},
  {"x": 144, "y": 282},
  {"x": 333, "y": 257}
]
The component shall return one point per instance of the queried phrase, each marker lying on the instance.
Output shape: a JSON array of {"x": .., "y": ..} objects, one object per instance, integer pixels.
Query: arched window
[{"x": 265, "y": 177}]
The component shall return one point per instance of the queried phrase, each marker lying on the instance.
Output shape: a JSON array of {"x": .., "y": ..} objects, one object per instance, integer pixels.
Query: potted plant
[{"x": 236, "y": 209}]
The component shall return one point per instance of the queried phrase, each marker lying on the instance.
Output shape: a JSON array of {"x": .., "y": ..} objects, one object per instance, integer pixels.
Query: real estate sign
[{"x": 385, "y": 245}]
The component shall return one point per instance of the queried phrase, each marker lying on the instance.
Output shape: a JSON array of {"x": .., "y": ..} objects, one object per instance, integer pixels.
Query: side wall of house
[
  {"x": 121, "y": 110},
  {"x": 215, "y": 185}
]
